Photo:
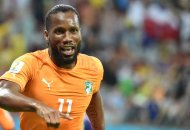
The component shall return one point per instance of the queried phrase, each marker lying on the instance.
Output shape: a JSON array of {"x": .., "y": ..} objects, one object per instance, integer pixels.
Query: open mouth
[{"x": 68, "y": 50}]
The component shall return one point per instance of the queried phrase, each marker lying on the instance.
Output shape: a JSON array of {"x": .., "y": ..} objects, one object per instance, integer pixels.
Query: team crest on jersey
[
  {"x": 88, "y": 87},
  {"x": 16, "y": 67}
]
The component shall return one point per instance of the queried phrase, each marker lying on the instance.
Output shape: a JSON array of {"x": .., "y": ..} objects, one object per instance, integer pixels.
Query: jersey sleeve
[
  {"x": 100, "y": 72},
  {"x": 21, "y": 70}
]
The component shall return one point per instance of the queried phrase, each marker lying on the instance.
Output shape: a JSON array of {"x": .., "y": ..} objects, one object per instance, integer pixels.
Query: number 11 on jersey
[{"x": 69, "y": 102}]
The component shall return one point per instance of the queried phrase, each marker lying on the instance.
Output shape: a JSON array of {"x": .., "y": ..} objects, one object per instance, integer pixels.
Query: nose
[{"x": 67, "y": 38}]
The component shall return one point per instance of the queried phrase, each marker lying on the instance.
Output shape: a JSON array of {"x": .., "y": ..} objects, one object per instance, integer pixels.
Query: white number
[
  {"x": 61, "y": 100},
  {"x": 69, "y": 101}
]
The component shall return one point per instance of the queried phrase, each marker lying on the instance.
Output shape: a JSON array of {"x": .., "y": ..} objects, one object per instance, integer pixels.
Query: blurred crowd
[{"x": 144, "y": 46}]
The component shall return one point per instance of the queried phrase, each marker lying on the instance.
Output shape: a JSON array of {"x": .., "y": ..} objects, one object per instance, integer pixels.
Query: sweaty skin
[
  {"x": 12, "y": 100},
  {"x": 64, "y": 39},
  {"x": 64, "y": 32}
]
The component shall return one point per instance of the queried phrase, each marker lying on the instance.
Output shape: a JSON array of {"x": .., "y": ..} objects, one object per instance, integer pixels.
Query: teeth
[{"x": 67, "y": 48}]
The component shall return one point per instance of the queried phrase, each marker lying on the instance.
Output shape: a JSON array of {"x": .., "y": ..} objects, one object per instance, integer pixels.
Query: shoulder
[
  {"x": 89, "y": 59},
  {"x": 31, "y": 58},
  {"x": 90, "y": 62}
]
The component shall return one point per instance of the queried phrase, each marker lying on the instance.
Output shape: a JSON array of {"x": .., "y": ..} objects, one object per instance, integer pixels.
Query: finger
[
  {"x": 56, "y": 125},
  {"x": 53, "y": 125},
  {"x": 47, "y": 120},
  {"x": 54, "y": 119},
  {"x": 57, "y": 118},
  {"x": 62, "y": 115}
]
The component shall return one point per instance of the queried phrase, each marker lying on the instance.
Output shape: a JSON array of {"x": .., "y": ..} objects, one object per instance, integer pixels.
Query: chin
[{"x": 70, "y": 60}]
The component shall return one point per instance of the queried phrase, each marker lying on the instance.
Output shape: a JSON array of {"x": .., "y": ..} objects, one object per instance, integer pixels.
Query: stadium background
[{"x": 144, "y": 46}]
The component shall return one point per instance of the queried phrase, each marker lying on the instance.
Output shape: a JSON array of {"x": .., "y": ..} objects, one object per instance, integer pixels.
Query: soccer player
[
  {"x": 6, "y": 121},
  {"x": 54, "y": 87}
]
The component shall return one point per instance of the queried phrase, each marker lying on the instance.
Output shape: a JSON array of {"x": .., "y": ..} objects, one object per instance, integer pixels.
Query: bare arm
[
  {"x": 95, "y": 112},
  {"x": 12, "y": 100}
]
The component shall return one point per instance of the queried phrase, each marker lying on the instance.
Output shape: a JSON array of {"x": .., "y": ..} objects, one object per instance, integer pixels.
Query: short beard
[{"x": 60, "y": 61}]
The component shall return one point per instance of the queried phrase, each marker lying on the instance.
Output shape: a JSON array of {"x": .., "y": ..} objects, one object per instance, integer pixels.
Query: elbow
[
  {"x": 3, "y": 95},
  {"x": 4, "y": 98}
]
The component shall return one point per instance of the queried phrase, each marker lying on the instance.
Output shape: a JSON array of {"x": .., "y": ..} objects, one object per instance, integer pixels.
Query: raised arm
[
  {"x": 95, "y": 112},
  {"x": 12, "y": 100}
]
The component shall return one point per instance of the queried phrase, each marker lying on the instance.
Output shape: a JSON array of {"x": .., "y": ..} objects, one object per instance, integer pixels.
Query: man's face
[{"x": 64, "y": 37}]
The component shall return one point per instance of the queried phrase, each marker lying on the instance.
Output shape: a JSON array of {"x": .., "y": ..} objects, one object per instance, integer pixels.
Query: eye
[
  {"x": 73, "y": 30},
  {"x": 59, "y": 31}
]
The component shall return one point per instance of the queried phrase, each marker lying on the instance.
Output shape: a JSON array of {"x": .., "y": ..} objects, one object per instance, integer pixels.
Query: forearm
[
  {"x": 13, "y": 100},
  {"x": 16, "y": 102},
  {"x": 95, "y": 112}
]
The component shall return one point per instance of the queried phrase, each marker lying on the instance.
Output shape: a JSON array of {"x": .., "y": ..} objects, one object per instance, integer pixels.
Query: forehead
[{"x": 64, "y": 17}]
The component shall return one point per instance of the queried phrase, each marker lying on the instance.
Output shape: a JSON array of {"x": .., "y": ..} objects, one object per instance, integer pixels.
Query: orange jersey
[
  {"x": 6, "y": 121},
  {"x": 67, "y": 90}
]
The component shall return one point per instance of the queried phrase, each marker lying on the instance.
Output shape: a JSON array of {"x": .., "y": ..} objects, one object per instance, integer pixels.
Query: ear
[{"x": 46, "y": 36}]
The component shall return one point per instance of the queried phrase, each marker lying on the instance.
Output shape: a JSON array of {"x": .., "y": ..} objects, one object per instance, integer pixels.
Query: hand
[{"x": 51, "y": 116}]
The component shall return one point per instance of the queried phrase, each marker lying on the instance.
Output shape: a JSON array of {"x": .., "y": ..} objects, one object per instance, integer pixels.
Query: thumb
[{"x": 66, "y": 116}]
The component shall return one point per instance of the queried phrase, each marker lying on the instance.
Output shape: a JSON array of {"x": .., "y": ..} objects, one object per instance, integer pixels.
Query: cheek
[
  {"x": 77, "y": 38},
  {"x": 55, "y": 39}
]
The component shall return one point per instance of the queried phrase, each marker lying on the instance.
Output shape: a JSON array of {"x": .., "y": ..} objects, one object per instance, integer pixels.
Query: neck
[{"x": 58, "y": 62}]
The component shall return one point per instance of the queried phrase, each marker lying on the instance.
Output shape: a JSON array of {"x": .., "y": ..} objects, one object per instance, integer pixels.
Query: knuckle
[
  {"x": 49, "y": 112},
  {"x": 54, "y": 125}
]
